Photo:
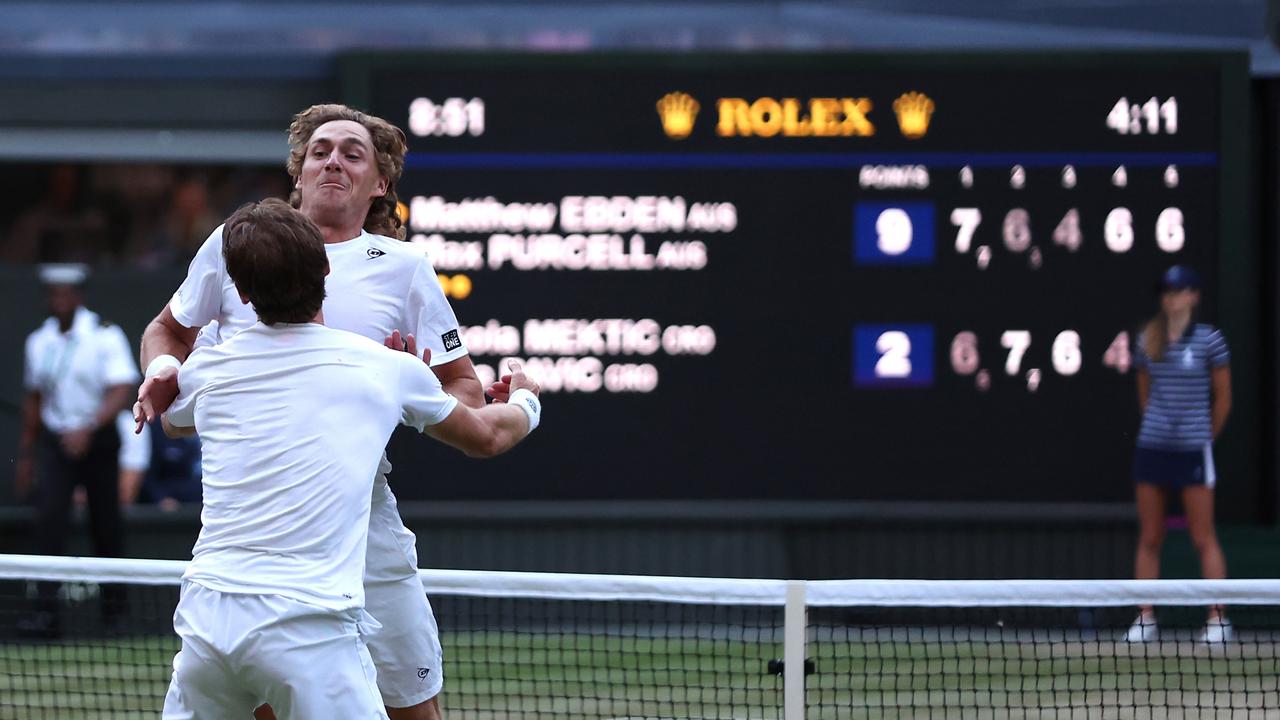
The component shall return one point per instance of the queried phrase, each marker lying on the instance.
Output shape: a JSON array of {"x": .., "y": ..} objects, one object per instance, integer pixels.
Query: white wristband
[
  {"x": 528, "y": 402},
  {"x": 161, "y": 362}
]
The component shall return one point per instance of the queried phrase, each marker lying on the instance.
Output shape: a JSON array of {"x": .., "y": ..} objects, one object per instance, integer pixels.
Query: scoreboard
[{"x": 889, "y": 277}]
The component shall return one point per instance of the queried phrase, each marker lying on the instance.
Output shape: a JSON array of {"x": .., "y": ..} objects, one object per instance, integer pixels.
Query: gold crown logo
[
  {"x": 678, "y": 111},
  {"x": 913, "y": 110}
]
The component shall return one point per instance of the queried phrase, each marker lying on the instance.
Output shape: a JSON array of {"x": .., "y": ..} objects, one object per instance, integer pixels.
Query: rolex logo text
[{"x": 792, "y": 117}]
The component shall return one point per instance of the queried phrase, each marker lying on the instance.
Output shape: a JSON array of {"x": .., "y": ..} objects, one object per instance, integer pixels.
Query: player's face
[
  {"x": 1178, "y": 302},
  {"x": 63, "y": 301},
  {"x": 340, "y": 171}
]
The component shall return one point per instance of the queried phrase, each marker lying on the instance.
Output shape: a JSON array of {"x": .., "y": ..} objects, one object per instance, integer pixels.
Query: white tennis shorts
[
  {"x": 407, "y": 650},
  {"x": 307, "y": 661}
]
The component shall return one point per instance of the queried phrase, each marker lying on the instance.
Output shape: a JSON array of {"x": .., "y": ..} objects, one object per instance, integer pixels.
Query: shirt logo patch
[
  {"x": 1188, "y": 358},
  {"x": 451, "y": 340},
  {"x": 374, "y": 253},
  {"x": 422, "y": 672}
]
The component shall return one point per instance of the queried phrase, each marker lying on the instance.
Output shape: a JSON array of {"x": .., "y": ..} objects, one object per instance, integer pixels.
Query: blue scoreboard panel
[{"x": 909, "y": 277}]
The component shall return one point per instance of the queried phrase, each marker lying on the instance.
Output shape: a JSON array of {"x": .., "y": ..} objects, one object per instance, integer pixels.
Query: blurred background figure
[
  {"x": 149, "y": 216},
  {"x": 1184, "y": 393},
  {"x": 79, "y": 374},
  {"x": 135, "y": 457},
  {"x": 65, "y": 225},
  {"x": 173, "y": 478},
  {"x": 155, "y": 469}
]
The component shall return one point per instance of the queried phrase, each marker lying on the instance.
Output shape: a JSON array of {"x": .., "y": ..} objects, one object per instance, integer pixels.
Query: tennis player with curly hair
[{"x": 345, "y": 165}]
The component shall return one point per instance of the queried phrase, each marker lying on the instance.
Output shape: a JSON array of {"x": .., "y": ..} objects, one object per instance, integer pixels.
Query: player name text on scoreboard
[{"x": 940, "y": 262}]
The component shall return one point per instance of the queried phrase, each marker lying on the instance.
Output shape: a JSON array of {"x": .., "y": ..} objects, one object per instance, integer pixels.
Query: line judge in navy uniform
[{"x": 79, "y": 374}]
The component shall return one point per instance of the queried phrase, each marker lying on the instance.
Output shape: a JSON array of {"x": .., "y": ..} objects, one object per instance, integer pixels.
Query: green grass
[
  {"x": 100, "y": 680},
  {"x": 492, "y": 675}
]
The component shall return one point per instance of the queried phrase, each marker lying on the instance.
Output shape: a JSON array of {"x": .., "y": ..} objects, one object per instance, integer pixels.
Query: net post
[{"x": 795, "y": 627}]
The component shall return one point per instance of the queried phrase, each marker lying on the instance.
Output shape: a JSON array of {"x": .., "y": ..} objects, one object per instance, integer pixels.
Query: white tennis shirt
[
  {"x": 376, "y": 284},
  {"x": 72, "y": 370},
  {"x": 293, "y": 420}
]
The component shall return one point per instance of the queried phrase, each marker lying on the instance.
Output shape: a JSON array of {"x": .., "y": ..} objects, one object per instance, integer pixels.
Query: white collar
[{"x": 364, "y": 234}]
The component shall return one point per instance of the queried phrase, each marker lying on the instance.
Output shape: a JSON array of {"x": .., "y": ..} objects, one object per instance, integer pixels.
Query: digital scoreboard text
[{"x": 906, "y": 278}]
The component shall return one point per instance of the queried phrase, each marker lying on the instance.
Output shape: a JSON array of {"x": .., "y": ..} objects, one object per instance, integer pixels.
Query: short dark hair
[{"x": 276, "y": 257}]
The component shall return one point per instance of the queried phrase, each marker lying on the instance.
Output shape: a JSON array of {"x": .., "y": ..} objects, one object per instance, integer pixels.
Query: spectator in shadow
[
  {"x": 173, "y": 480},
  {"x": 65, "y": 226},
  {"x": 79, "y": 372}
]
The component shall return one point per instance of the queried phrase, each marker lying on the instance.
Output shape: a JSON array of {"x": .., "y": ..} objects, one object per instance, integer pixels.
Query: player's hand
[
  {"x": 517, "y": 380},
  {"x": 500, "y": 390},
  {"x": 407, "y": 343},
  {"x": 154, "y": 397},
  {"x": 396, "y": 341},
  {"x": 75, "y": 443}
]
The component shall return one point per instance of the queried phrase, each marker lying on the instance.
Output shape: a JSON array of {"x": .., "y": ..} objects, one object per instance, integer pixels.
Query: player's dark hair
[
  {"x": 389, "y": 147},
  {"x": 276, "y": 256}
]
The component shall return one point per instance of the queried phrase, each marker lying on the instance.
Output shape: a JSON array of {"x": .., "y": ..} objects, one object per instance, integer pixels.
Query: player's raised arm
[
  {"x": 176, "y": 431},
  {"x": 496, "y": 428},
  {"x": 165, "y": 344},
  {"x": 458, "y": 376},
  {"x": 459, "y": 379},
  {"x": 166, "y": 336},
  {"x": 169, "y": 338}
]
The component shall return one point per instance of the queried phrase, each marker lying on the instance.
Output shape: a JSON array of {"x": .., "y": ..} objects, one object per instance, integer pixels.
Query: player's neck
[
  {"x": 65, "y": 322},
  {"x": 340, "y": 233},
  {"x": 1178, "y": 325},
  {"x": 337, "y": 223}
]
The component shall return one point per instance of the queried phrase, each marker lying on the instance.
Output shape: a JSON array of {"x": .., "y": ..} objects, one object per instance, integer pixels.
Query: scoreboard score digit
[{"x": 815, "y": 277}]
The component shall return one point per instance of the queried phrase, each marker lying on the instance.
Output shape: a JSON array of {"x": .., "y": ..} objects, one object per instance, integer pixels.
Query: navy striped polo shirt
[{"x": 1177, "y": 416}]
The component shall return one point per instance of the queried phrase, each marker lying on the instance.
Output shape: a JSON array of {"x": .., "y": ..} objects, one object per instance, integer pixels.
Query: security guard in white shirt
[{"x": 79, "y": 374}]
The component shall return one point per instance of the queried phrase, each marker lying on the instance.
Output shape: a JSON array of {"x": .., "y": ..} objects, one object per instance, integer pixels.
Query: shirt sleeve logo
[{"x": 451, "y": 340}]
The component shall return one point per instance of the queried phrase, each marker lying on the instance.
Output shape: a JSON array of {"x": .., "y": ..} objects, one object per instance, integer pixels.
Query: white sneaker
[
  {"x": 1143, "y": 630},
  {"x": 1217, "y": 632}
]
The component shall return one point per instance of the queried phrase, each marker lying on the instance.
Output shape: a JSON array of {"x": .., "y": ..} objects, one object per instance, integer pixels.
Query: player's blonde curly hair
[{"x": 389, "y": 145}]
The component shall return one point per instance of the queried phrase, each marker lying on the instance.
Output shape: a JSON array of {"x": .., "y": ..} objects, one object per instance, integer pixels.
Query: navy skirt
[{"x": 1174, "y": 468}]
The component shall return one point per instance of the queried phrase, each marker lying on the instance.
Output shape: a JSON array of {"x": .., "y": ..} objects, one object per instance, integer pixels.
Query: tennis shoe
[
  {"x": 1217, "y": 632},
  {"x": 1143, "y": 630}
]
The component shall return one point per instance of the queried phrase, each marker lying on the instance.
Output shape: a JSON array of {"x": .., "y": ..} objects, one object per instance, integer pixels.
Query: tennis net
[{"x": 91, "y": 638}]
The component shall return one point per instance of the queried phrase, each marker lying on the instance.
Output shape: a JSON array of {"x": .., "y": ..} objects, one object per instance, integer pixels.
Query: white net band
[{"x": 722, "y": 591}]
